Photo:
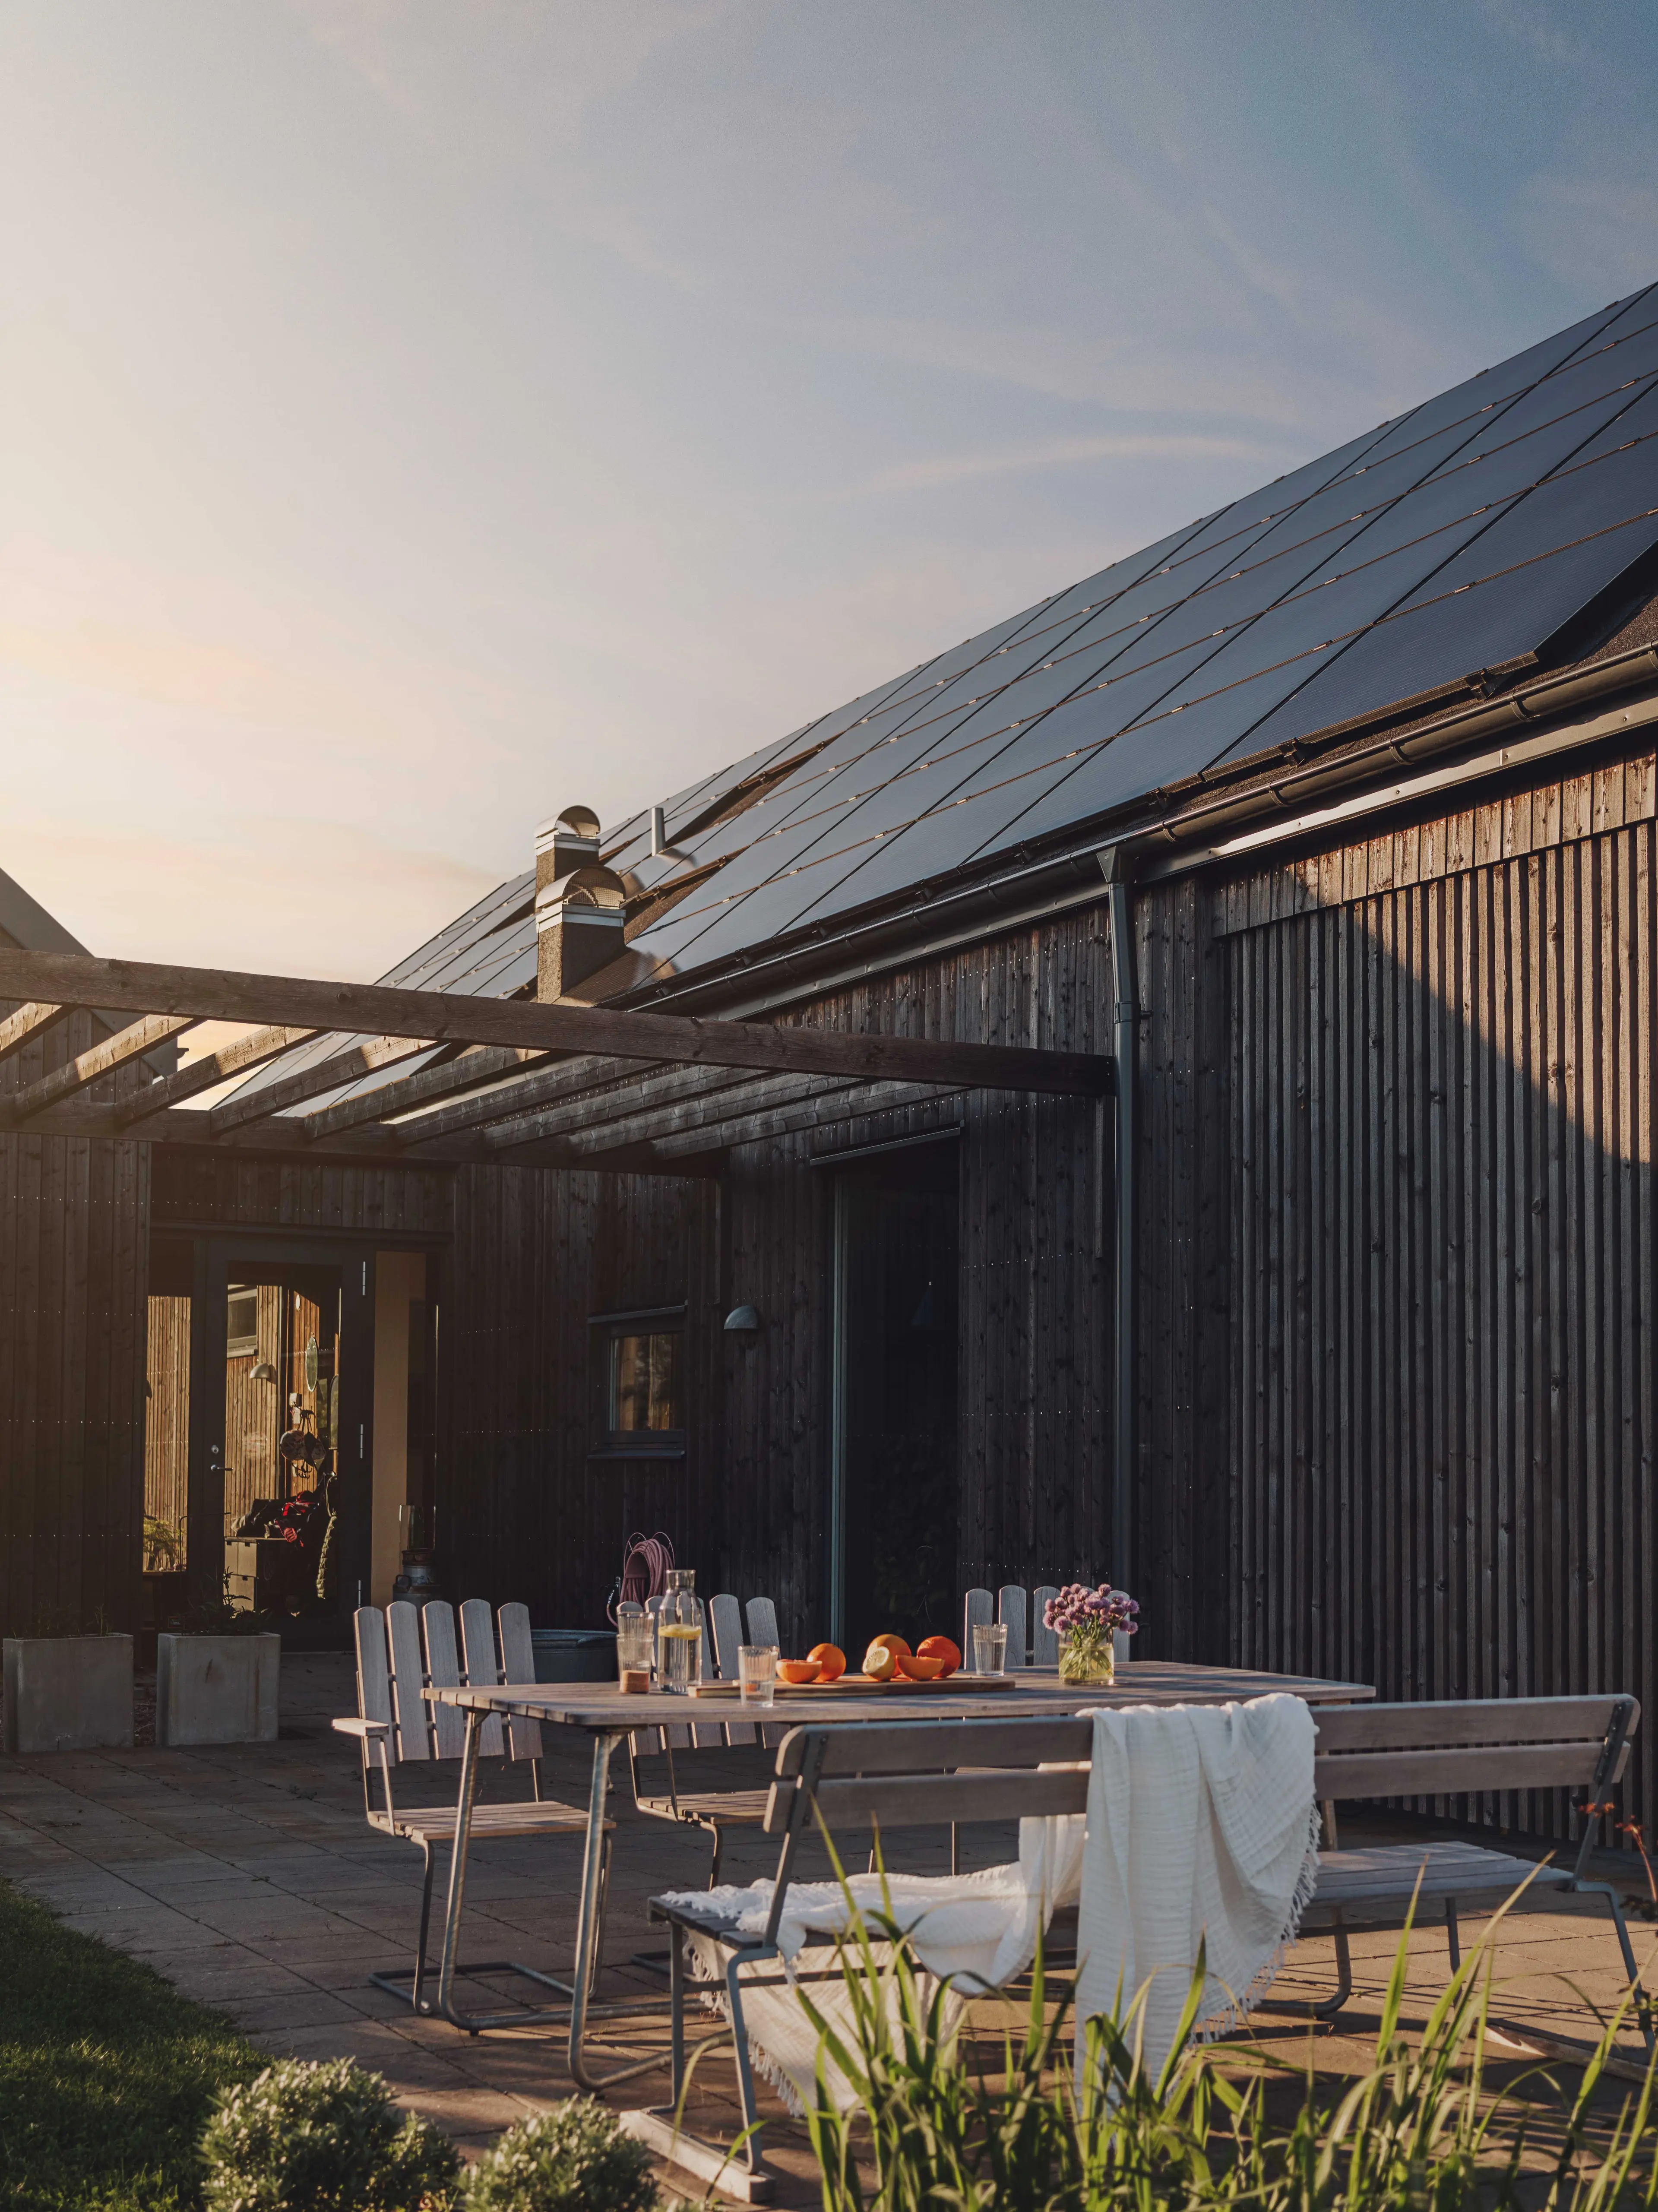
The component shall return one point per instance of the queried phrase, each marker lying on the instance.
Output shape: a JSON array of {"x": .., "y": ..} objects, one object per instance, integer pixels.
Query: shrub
[
  {"x": 572, "y": 2159},
  {"x": 323, "y": 2138}
]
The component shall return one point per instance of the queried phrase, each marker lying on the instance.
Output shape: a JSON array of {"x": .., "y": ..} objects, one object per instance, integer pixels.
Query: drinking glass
[
  {"x": 632, "y": 1640},
  {"x": 990, "y": 1648},
  {"x": 756, "y": 1667}
]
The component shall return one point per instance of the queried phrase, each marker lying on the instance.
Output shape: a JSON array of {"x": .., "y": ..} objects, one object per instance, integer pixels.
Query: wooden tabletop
[{"x": 602, "y": 1708}]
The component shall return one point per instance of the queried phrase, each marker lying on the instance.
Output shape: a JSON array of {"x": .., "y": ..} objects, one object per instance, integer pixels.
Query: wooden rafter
[
  {"x": 567, "y": 1078},
  {"x": 563, "y": 1026},
  {"x": 477, "y": 1064},
  {"x": 25, "y": 1024},
  {"x": 848, "y": 1105},
  {"x": 589, "y": 1111},
  {"x": 347, "y": 1066},
  {"x": 101, "y": 1059},
  {"x": 211, "y": 1070},
  {"x": 734, "y": 1102}
]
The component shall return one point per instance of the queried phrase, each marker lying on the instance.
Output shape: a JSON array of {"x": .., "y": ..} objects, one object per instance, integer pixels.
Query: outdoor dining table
[{"x": 608, "y": 1715}]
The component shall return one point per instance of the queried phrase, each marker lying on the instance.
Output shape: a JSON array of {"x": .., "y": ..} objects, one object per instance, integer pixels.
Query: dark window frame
[{"x": 606, "y": 1331}]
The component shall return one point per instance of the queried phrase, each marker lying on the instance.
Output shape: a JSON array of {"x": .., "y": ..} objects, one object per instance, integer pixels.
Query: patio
[{"x": 247, "y": 1876}]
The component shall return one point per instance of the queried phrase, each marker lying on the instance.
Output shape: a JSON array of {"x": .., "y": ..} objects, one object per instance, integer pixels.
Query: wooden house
[{"x": 1161, "y": 1089}]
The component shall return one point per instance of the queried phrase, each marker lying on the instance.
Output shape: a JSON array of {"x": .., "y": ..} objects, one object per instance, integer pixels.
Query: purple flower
[{"x": 1078, "y": 1611}]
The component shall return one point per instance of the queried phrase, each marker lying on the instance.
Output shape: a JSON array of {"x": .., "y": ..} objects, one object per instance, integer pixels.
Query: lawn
[{"x": 107, "y": 2073}]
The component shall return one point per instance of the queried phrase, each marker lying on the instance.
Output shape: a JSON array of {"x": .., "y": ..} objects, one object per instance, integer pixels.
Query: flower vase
[{"x": 1090, "y": 1661}]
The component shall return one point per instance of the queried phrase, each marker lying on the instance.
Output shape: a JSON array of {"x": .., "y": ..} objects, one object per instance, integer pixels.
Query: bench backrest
[
  {"x": 407, "y": 1649},
  {"x": 891, "y": 1772}
]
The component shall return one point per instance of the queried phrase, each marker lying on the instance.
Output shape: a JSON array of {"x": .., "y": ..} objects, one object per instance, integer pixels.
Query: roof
[{"x": 1489, "y": 533}]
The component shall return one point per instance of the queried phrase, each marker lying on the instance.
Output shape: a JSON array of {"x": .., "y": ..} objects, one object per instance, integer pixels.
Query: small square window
[
  {"x": 241, "y": 1323},
  {"x": 642, "y": 1375}
]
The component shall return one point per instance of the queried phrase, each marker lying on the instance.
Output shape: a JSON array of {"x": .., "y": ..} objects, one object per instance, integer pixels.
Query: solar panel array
[{"x": 1459, "y": 537}]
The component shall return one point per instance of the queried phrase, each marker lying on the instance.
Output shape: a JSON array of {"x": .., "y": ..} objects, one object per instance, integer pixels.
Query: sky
[{"x": 417, "y": 418}]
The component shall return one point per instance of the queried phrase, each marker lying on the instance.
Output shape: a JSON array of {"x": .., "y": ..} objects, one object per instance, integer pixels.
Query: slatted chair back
[
  {"x": 517, "y": 1664},
  {"x": 725, "y": 1625},
  {"x": 1012, "y": 1610},
  {"x": 977, "y": 1611},
  {"x": 411, "y": 1738},
  {"x": 477, "y": 1645},
  {"x": 437, "y": 1621},
  {"x": 762, "y": 1628},
  {"x": 1044, "y": 1642},
  {"x": 373, "y": 1666}
]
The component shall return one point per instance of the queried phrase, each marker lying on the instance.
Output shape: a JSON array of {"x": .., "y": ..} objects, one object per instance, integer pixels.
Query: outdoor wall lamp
[
  {"x": 265, "y": 1372},
  {"x": 743, "y": 1321}
]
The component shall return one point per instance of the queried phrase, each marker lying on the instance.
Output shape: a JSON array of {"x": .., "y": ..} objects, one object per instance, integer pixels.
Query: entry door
[
  {"x": 894, "y": 1478},
  {"x": 283, "y": 1340}
]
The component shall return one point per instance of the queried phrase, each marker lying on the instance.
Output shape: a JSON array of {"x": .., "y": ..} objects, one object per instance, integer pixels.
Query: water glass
[
  {"x": 990, "y": 1648},
  {"x": 632, "y": 1640},
  {"x": 756, "y": 1668}
]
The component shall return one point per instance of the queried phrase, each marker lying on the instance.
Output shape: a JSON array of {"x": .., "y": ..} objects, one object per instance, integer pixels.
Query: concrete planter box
[
  {"x": 68, "y": 1693},
  {"x": 216, "y": 1689}
]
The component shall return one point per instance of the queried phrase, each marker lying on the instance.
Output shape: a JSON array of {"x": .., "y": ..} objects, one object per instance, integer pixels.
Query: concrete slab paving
[{"x": 247, "y": 1874}]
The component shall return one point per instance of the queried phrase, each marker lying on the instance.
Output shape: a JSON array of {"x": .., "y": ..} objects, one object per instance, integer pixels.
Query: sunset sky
[{"x": 417, "y": 418}]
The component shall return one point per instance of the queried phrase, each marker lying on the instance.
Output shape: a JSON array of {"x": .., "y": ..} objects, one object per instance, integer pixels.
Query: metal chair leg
[
  {"x": 1453, "y": 1934},
  {"x": 425, "y": 1920},
  {"x": 1643, "y": 2003},
  {"x": 744, "y": 2071},
  {"x": 719, "y": 1848},
  {"x": 677, "y": 2013},
  {"x": 1331, "y": 2006}
]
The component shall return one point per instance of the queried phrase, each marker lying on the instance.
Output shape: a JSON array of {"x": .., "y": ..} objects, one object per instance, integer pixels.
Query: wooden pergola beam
[
  {"x": 25, "y": 1024},
  {"x": 640, "y": 1097},
  {"x": 211, "y": 1070},
  {"x": 848, "y": 1105},
  {"x": 101, "y": 1059},
  {"x": 734, "y": 1103},
  {"x": 347, "y": 1066},
  {"x": 566, "y": 1077},
  {"x": 476, "y": 1066},
  {"x": 208, "y": 993}
]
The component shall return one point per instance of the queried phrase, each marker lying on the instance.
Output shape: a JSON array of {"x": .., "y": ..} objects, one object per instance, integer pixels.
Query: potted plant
[{"x": 217, "y": 1680}]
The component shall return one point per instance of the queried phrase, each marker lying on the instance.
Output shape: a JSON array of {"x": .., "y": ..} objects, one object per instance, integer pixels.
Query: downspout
[{"x": 1113, "y": 866}]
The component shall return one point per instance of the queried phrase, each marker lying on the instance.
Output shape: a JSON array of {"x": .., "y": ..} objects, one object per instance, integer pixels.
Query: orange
[
  {"x": 831, "y": 1659},
  {"x": 893, "y": 1644},
  {"x": 797, "y": 1670},
  {"x": 880, "y": 1662},
  {"x": 940, "y": 1647},
  {"x": 920, "y": 1670}
]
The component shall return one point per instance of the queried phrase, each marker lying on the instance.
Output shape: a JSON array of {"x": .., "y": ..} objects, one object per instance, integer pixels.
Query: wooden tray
[{"x": 861, "y": 1686}]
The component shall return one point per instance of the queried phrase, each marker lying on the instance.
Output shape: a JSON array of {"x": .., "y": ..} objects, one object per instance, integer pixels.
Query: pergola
[{"x": 513, "y": 1081}]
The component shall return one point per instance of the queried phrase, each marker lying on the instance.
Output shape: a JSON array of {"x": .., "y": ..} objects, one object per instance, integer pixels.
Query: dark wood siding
[{"x": 1440, "y": 1417}]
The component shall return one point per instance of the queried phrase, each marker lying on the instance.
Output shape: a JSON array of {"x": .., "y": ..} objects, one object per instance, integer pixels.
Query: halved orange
[
  {"x": 797, "y": 1670},
  {"x": 831, "y": 1658},
  {"x": 893, "y": 1644},
  {"x": 920, "y": 1670},
  {"x": 940, "y": 1647},
  {"x": 880, "y": 1662}
]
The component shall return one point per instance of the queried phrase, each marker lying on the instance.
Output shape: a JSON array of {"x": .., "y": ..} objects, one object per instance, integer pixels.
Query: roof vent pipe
[
  {"x": 581, "y": 908},
  {"x": 658, "y": 832}
]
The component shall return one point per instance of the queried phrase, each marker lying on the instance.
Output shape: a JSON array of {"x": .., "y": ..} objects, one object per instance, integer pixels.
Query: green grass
[{"x": 107, "y": 2073}]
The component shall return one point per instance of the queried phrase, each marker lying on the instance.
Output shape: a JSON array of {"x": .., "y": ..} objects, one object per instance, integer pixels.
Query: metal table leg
[{"x": 589, "y": 1921}]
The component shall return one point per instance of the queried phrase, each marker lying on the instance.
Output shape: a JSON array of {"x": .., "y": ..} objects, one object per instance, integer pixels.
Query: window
[
  {"x": 241, "y": 1323},
  {"x": 642, "y": 1365}
]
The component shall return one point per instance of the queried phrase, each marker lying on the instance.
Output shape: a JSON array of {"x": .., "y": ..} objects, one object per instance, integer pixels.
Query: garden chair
[{"x": 395, "y": 1726}]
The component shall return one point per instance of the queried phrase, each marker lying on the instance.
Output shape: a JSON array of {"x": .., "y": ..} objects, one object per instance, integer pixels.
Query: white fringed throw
[
  {"x": 1201, "y": 1827},
  {"x": 976, "y": 1931}
]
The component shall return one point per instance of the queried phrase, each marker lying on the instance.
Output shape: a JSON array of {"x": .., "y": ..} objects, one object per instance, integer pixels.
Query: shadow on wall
[{"x": 1441, "y": 1414}]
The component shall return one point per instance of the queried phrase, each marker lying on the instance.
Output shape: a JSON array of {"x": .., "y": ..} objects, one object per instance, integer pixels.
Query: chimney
[{"x": 579, "y": 906}]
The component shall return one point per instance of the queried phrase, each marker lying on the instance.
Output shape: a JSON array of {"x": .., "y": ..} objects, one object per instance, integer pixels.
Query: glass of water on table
[
  {"x": 990, "y": 1648},
  {"x": 757, "y": 1666}
]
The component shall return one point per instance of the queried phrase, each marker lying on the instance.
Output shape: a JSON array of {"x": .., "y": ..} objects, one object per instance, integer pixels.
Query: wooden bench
[{"x": 921, "y": 1773}]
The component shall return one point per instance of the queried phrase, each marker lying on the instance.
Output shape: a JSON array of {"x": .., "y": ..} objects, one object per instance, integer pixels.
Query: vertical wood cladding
[
  {"x": 1441, "y": 1419},
  {"x": 73, "y": 1258}
]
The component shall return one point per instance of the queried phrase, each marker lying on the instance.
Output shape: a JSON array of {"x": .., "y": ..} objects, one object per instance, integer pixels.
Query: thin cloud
[{"x": 1063, "y": 453}]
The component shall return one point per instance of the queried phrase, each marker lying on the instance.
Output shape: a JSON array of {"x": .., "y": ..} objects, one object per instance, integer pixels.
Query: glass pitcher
[{"x": 679, "y": 1634}]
